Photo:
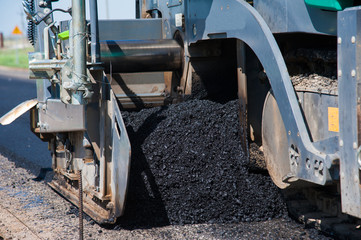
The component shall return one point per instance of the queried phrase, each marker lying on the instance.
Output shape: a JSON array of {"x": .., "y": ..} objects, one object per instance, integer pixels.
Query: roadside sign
[{"x": 17, "y": 31}]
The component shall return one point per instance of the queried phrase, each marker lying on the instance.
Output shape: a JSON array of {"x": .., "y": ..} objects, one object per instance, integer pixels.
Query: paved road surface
[{"x": 17, "y": 137}]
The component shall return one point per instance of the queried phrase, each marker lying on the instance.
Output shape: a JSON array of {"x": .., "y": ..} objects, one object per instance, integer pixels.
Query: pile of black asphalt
[{"x": 187, "y": 167}]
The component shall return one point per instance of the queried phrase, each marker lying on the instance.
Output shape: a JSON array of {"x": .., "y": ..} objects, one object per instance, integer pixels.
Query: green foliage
[{"x": 8, "y": 57}]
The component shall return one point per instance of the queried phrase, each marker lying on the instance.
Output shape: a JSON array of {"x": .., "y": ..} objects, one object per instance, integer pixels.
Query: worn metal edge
[{"x": 93, "y": 210}]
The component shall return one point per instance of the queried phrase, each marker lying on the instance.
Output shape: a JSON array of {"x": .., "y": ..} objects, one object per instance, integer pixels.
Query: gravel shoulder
[{"x": 31, "y": 210}]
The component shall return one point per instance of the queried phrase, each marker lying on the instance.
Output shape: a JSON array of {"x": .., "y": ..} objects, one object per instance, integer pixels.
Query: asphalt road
[{"x": 17, "y": 138}]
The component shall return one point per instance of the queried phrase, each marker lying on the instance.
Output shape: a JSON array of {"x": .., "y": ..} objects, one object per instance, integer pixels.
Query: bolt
[
  {"x": 353, "y": 39},
  {"x": 317, "y": 165},
  {"x": 339, "y": 73},
  {"x": 298, "y": 134},
  {"x": 353, "y": 73},
  {"x": 109, "y": 206},
  {"x": 289, "y": 133},
  {"x": 339, "y": 40},
  {"x": 43, "y": 4},
  {"x": 47, "y": 10},
  {"x": 320, "y": 167}
]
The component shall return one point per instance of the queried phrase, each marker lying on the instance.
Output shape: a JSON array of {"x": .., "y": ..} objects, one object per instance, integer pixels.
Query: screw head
[{"x": 353, "y": 73}]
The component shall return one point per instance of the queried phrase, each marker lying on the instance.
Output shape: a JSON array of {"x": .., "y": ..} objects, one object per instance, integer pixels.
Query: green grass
[{"x": 8, "y": 57}]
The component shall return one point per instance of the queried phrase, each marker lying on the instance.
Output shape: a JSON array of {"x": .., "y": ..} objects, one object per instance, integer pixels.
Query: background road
[{"x": 15, "y": 87}]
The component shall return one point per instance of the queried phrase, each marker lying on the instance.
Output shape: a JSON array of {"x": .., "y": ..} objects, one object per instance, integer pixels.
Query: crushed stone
[{"x": 188, "y": 167}]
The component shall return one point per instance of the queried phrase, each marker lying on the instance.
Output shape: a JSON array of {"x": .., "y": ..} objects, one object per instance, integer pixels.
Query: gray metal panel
[
  {"x": 349, "y": 60},
  {"x": 120, "y": 159},
  {"x": 140, "y": 29},
  {"x": 139, "y": 89},
  {"x": 315, "y": 107},
  {"x": 296, "y": 16},
  {"x": 55, "y": 116}
]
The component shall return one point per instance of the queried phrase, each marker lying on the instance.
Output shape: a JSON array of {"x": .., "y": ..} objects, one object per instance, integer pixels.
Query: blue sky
[{"x": 11, "y": 12}]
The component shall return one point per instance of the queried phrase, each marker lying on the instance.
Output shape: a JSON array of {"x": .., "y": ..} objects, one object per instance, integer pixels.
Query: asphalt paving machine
[{"x": 293, "y": 65}]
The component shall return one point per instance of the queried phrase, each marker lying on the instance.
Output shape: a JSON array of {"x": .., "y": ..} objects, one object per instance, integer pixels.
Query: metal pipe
[
  {"x": 94, "y": 29},
  {"x": 141, "y": 55},
  {"x": 79, "y": 53}
]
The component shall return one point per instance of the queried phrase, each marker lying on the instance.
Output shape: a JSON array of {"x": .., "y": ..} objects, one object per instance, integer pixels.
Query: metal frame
[
  {"x": 296, "y": 16},
  {"x": 349, "y": 60},
  {"x": 237, "y": 19}
]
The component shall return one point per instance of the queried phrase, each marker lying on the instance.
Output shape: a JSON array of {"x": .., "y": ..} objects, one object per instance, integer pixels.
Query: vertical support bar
[
  {"x": 79, "y": 53},
  {"x": 349, "y": 77},
  {"x": 81, "y": 229},
  {"x": 242, "y": 94},
  {"x": 1, "y": 40},
  {"x": 94, "y": 29}
]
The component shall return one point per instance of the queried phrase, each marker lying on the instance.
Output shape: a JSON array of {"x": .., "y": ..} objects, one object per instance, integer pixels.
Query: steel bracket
[
  {"x": 55, "y": 116},
  {"x": 41, "y": 68}
]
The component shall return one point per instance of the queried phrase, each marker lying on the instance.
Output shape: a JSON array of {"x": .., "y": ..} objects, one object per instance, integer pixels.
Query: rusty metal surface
[
  {"x": 70, "y": 193},
  {"x": 18, "y": 111}
]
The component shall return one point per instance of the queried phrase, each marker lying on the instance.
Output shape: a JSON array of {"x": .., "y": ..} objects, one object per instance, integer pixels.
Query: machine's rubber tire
[{"x": 274, "y": 142}]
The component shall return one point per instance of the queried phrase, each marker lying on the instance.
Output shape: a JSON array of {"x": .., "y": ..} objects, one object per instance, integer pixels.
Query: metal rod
[
  {"x": 79, "y": 53},
  {"x": 141, "y": 55},
  {"x": 81, "y": 229},
  {"x": 94, "y": 29}
]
